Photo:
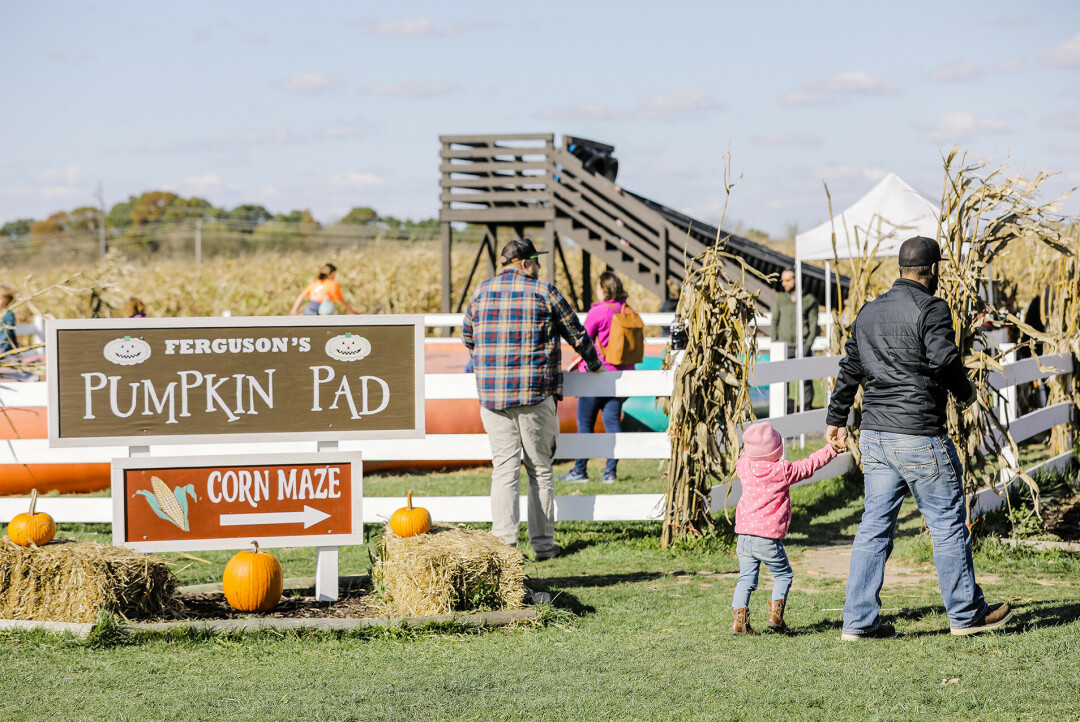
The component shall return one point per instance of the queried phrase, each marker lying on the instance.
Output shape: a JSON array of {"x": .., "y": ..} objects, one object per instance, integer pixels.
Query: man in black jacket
[{"x": 902, "y": 351}]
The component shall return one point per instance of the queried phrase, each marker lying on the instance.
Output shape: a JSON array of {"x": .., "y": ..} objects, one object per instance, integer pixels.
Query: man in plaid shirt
[{"x": 512, "y": 329}]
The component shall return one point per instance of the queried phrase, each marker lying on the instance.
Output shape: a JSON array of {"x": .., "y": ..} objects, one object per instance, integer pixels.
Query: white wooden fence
[{"x": 460, "y": 447}]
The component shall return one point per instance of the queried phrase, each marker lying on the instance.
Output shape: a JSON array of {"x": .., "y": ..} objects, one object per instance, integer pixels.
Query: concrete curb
[
  {"x": 1044, "y": 545},
  {"x": 478, "y": 620},
  {"x": 79, "y": 629}
]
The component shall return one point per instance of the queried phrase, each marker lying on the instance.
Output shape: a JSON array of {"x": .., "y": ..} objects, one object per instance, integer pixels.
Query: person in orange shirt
[{"x": 321, "y": 295}]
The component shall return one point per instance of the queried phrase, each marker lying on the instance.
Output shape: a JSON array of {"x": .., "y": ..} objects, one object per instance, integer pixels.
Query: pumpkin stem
[
  {"x": 256, "y": 545},
  {"x": 408, "y": 500},
  {"x": 33, "y": 501}
]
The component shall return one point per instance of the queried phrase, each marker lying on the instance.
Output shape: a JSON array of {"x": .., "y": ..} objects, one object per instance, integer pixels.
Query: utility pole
[
  {"x": 198, "y": 241},
  {"x": 100, "y": 195}
]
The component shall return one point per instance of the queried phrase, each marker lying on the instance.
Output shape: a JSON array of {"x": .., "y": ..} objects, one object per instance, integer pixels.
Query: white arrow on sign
[{"x": 309, "y": 516}]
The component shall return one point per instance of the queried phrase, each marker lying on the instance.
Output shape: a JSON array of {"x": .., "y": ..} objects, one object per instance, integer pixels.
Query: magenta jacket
[
  {"x": 764, "y": 508},
  {"x": 598, "y": 325}
]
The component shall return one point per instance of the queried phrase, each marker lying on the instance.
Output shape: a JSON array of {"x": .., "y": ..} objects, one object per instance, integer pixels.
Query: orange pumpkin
[
  {"x": 32, "y": 528},
  {"x": 252, "y": 581},
  {"x": 410, "y": 520}
]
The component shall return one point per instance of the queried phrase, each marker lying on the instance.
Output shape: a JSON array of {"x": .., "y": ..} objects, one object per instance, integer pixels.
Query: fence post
[
  {"x": 1007, "y": 402},
  {"x": 777, "y": 391}
]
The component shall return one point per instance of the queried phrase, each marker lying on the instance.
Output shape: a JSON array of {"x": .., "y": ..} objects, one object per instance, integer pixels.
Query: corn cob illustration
[{"x": 169, "y": 504}]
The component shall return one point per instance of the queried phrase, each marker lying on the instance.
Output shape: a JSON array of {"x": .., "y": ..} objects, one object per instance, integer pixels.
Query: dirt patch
[
  {"x": 299, "y": 604},
  {"x": 832, "y": 562}
]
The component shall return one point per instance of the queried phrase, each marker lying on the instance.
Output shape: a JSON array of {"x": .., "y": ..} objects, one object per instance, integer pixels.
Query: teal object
[{"x": 641, "y": 413}]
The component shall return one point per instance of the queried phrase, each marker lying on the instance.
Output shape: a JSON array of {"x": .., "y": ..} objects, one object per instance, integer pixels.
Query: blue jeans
[
  {"x": 587, "y": 409},
  {"x": 929, "y": 467},
  {"x": 752, "y": 551}
]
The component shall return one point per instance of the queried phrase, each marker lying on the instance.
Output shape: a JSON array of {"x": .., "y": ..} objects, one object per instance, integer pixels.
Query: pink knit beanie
[{"x": 761, "y": 442}]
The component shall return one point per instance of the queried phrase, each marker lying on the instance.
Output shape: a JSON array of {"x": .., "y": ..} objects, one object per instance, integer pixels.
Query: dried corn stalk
[
  {"x": 1062, "y": 314},
  {"x": 983, "y": 212},
  {"x": 711, "y": 391}
]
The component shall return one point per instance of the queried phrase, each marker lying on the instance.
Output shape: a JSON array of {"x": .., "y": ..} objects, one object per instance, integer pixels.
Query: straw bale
[
  {"x": 449, "y": 569},
  {"x": 71, "y": 581}
]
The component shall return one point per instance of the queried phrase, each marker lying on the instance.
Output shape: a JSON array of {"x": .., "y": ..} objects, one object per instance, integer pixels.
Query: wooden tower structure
[{"x": 527, "y": 183}]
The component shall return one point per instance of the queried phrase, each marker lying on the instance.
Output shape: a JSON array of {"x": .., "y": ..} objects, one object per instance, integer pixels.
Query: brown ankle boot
[
  {"x": 776, "y": 617},
  {"x": 740, "y": 623}
]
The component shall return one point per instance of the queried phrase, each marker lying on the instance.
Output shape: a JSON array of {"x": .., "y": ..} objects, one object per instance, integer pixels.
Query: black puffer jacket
[{"x": 902, "y": 350}]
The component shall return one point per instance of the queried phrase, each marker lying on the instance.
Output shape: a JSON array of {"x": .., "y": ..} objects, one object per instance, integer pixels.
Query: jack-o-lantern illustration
[
  {"x": 348, "y": 347},
  {"x": 127, "y": 351}
]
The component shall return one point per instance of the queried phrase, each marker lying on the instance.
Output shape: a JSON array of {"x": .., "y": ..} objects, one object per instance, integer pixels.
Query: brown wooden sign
[
  {"x": 183, "y": 380},
  {"x": 192, "y": 503}
]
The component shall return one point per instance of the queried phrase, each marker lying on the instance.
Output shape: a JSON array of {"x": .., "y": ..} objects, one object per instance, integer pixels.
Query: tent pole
[{"x": 799, "y": 338}]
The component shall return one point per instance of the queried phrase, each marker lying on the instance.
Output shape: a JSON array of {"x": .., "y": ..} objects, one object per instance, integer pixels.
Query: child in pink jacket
[{"x": 762, "y": 518}]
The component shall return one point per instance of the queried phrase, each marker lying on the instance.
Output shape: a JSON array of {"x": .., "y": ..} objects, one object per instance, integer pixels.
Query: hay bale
[
  {"x": 71, "y": 581},
  {"x": 449, "y": 569}
]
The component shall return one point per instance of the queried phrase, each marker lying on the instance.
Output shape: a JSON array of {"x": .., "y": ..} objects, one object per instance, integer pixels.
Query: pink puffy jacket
[{"x": 764, "y": 509}]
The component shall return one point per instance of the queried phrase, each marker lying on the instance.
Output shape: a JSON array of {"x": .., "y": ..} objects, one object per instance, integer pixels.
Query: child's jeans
[{"x": 752, "y": 551}]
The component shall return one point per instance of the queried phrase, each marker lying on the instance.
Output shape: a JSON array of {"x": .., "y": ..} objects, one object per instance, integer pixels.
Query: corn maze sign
[
  {"x": 192, "y": 503},
  {"x": 184, "y": 380}
]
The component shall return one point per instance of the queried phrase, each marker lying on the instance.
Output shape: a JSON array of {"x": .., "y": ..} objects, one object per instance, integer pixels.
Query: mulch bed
[{"x": 354, "y": 602}]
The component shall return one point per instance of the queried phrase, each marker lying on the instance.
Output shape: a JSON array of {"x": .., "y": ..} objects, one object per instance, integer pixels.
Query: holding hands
[{"x": 836, "y": 437}]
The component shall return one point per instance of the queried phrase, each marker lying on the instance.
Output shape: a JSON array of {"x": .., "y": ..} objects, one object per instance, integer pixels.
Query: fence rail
[{"x": 467, "y": 447}]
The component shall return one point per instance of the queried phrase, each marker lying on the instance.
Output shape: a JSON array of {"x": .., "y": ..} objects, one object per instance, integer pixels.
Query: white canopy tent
[{"x": 885, "y": 217}]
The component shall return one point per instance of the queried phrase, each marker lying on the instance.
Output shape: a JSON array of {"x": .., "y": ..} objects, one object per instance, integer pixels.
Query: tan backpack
[{"x": 626, "y": 338}]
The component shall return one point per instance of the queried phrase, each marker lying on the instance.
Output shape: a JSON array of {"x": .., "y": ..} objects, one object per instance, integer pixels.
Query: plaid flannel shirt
[{"x": 512, "y": 329}]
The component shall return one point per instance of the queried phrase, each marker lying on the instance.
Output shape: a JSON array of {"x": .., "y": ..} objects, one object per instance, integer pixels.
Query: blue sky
[{"x": 327, "y": 106}]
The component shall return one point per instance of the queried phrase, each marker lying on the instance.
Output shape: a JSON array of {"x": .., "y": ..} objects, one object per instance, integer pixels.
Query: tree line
[{"x": 156, "y": 211}]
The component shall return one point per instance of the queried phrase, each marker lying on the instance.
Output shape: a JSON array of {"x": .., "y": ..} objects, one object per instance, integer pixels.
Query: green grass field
[{"x": 636, "y": 632}]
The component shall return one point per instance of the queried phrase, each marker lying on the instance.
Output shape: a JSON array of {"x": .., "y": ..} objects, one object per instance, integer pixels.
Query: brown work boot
[
  {"x": 776, "y": 617},
  {"x": 997, "y": 615},
  {"x": 740, "y": 623}
]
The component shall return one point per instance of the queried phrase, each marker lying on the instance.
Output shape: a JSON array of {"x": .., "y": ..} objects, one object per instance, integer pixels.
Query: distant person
[
  {"x": 902, "y": 352},
  {"x": 598, "y": 324},
  {"x": 322, "y": 294},
  {"x": 784, "y": 325},
  {"x": 512, "y": 329},
  {"x": 8, "y": 342},
  {"x": 135, "y": 308},
  {"x": 762, "y": 517}
]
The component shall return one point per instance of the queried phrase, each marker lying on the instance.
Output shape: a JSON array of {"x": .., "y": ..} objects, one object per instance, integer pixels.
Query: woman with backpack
[
  {"x": 619, "y": 335},
  {"x": 321, "y": 295}
]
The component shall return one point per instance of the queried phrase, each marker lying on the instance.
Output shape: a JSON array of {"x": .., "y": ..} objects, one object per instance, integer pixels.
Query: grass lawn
[{"x": 636, "y": 633}]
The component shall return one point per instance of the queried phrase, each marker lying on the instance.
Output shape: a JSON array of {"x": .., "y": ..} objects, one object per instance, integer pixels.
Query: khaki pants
[{"x": 523, "y": 434}]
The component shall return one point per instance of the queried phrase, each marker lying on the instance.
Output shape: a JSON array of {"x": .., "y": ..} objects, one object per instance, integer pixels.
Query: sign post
[{"x": 145, "y": 382}]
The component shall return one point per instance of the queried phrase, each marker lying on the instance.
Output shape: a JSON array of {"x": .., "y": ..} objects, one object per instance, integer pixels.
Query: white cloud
[
  {"x": 1012, "y": 21},
  {"x": 955, "y": 71},
  {"x": 1067, "y": 119},
  {"x": 203, "y": 183},
  {"x": 678, "y": 104},
  {"x": 672, "y": 105},
  {"x": 355, "y": 179},
  {"x": 960, "y": 125},
  {"x": 1010, "y": 65},
  {"x": 1065, "y": 55},
  {"x": 310, "y": 83},
  {"x": 413, "y": 88},
  {"x": 412, "y": 28},
  {"x": 787, "y": 139},
  {"x": 837, "y": 89},
  {"x": 1069, "y": 145},
  {"x": 844, "y": 173},
  {"x": 584, "y": 113},
  {"x": 249, "y": 138}
]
